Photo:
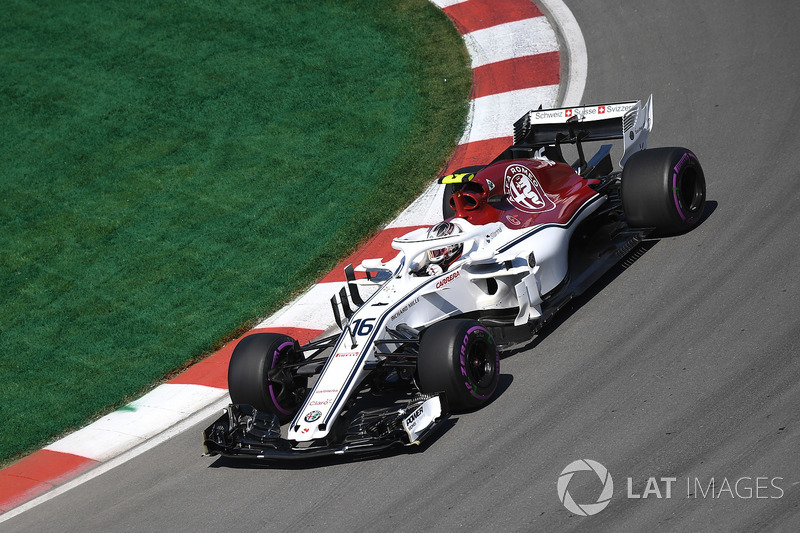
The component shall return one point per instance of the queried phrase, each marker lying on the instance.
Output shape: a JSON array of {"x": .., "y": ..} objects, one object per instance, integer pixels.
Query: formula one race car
[{"x": 420, "y": 334}]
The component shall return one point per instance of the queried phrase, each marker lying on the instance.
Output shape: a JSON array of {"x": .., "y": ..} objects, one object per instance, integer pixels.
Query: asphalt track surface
[{"x": 685, "y": 365}]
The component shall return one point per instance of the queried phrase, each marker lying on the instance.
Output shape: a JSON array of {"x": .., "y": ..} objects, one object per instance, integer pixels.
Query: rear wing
[{"x": 550, "y": 128}]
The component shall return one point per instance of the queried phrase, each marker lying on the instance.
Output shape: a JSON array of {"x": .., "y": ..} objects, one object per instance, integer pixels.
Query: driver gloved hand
[{"x": 434, "y": 270}]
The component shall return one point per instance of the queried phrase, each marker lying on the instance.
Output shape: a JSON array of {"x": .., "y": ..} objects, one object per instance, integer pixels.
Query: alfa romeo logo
[
  {"x": 312, "y": 416},
  {"x": 585, "y": 509},
  {"x": 524, "y": 191}
]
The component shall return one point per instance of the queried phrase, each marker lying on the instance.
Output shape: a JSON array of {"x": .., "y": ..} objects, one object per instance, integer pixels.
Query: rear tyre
[
  {"x": 257, "y": 375},
  {"x": 451, "y": 188},
  {"x": 459, "y": 358},
  {"x": 665, "y": 189}
]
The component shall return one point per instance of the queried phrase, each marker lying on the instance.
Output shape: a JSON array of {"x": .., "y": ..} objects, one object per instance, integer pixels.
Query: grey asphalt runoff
[{"x": 684, "y": 365}]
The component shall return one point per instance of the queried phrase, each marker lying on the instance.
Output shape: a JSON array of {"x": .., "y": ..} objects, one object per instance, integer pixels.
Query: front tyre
[
  {"x": 665, "y": 189},
  {"x": 258, "y": 375},
  {"x": 459, "y": 358}
]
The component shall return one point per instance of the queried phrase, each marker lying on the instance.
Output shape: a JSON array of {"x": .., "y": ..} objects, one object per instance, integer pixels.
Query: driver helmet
[{"x": 444, "y": 256}]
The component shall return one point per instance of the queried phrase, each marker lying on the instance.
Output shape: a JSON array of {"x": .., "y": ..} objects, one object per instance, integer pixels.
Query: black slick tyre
[
  {"x": 257, "y": 375},
  {"x": 459, "y": 357},
  {"x": 451, "y": 188},
  {"x": 665, "y": 189}
]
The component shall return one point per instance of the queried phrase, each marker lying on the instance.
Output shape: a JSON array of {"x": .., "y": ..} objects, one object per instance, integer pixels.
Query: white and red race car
[{"x": 421, "y": 334}]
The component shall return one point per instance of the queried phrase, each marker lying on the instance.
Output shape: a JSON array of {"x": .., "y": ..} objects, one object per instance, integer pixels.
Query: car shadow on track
[
  {"x": 504, "y": 383},
  {"x": 576, "y": 303}
]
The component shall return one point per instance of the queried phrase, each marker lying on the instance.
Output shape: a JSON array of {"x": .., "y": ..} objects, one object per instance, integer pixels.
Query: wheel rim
[
  {"x": 480, "y": 363},
  {"x": 281, "y": 385},
  {"x": 690, "y": 191}
]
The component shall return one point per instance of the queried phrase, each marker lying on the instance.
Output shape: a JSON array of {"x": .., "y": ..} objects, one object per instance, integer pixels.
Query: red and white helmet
[{"x": 444, "y": 256}]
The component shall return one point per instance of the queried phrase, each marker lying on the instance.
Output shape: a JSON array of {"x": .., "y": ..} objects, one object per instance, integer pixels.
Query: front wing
[{"x": 242, "y": 431}]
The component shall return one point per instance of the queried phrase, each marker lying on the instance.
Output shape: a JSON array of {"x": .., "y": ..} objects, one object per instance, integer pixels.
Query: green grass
[{"x": 171, "y": 172}]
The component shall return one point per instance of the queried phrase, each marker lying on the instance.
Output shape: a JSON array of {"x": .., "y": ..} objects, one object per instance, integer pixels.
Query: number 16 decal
[{"x": 363, "y": 326}]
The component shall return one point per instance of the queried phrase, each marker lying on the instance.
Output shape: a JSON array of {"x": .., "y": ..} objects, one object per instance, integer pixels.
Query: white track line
[
  {"x": 140, "y": 420},
  {"x": 577, "y": 57},
  {"x": 101, "y": 469}
]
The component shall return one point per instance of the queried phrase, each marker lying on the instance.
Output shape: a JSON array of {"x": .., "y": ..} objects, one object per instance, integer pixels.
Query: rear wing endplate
[{"x": 629, "y": 121}]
